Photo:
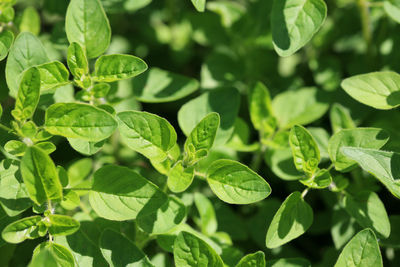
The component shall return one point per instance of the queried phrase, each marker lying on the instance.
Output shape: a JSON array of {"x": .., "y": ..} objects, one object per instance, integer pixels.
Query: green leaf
[
  {"x": 393, "y": 240},
  {"x": 190, "y": 250},
  {"x": 294, "y": 23},
  {"x": 200, "y": 5},
  {"x": 380, "y": 90},
  {"x": 157, "y": 86},
  {"x": 115, "y": 197},
  {"x": 8, "y": 13},
  {"x": 361, "y": 251},
  {"x": 235, "y": 183},
  {"x": 77, "y": 61},
  {"x": 40, "y": 176},
  {"x": 84, "y": 244},
  {"x": 71, "y": 200},
  {"x": 117, "y": 67},
  {"x": 343, "y": 226},
  {"x": 289, "y": 262},
  {"x": 292, "y": 220},
  {"x": 169, "y": 215},
  {"x": 392, "y": 9},
  {"x": 79, "y": 171},
  {"x": 301, "y": 106},
  {"x": 44, "y": 258},
  {"x": 28, "y": 95},
  {"x": 120, "y": 251},
  {"x": 15, "y": 147},
  {"x": 358, "y": 137},
  {"x": 369, "y": 212},
  {"x": 86, "y": 23},
  {"x": 52, "y": 75},
  {"x": 305, "y": 150},
  {"x": 239, "y": 140},
  {"x": 320, "y": 179},
  {"x": 340, "y": 118},
  {"x": 61, "y": 254},
  {"x": 208, "y": 220},
  {"x": 261, "y": 113},
  {"x": 101, "y": 90},
  {"x": 201, "y": 138},
  {"x": 179, "y": 177},
  {"x": 86, "y": 147},
  {"x": 253, "y": 260},
  {"x": 30, "y": 21},
  {"x": 225, "y": 102},
  {"x": 6, "y": 40},
  {"x": 61, "y": 224},
  {"x": 47, "y": 147},
  {"x": 381, "y": 164},
  {"x": 14, "y": 198},
  {"x": 18, "y": 231},
  {"x": 83, "y": 121},
  {"x": 27, "y": 51},
  {"x": 147, "y": 134}
]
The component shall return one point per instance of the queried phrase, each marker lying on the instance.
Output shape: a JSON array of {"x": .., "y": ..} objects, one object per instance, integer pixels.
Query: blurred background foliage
[{"x": 230, "y": 46}]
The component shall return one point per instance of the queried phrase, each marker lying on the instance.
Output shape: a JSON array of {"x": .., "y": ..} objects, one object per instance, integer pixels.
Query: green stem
[
  {"x": 257, "y": 159},
  {"x": 304, "y": 193},
  {"x": 330, "y": 167},
  {"x": 79, "y": 189},
  {"x": 5, "y": 128},
  {"x": 363, "y": 7},
  {"x": 201, "y": 175}
]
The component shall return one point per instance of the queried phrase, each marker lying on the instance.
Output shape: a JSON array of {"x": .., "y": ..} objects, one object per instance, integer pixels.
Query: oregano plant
[{"x": 199, "y": 133}]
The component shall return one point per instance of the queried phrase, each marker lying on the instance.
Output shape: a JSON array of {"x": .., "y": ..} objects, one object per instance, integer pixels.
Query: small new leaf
[
  {"x": 305, "y": 150},
  {"x": 28, "y": 95},
  {"x": 201, "y": 139},
  {"x": 77, "y": 61}
]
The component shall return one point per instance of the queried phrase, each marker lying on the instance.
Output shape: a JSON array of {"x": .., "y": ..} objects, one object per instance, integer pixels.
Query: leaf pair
[
  {"x": 197, "y": 147},
  {"x": 37, "y": 226},
  {"x": 306, "y": 156}
]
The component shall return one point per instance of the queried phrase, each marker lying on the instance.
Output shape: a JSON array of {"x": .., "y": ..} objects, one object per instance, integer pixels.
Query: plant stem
[
  {"x": 363, "y": 7},
  {"x": 330, "y": 167},
  {"x": 304, "y": 193},
  {"x": 79, "y": 189},
  {"x": 257, "y": 159},
  {"x": 201, "y": 175},
  {"x": 5, "y": 128}
]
